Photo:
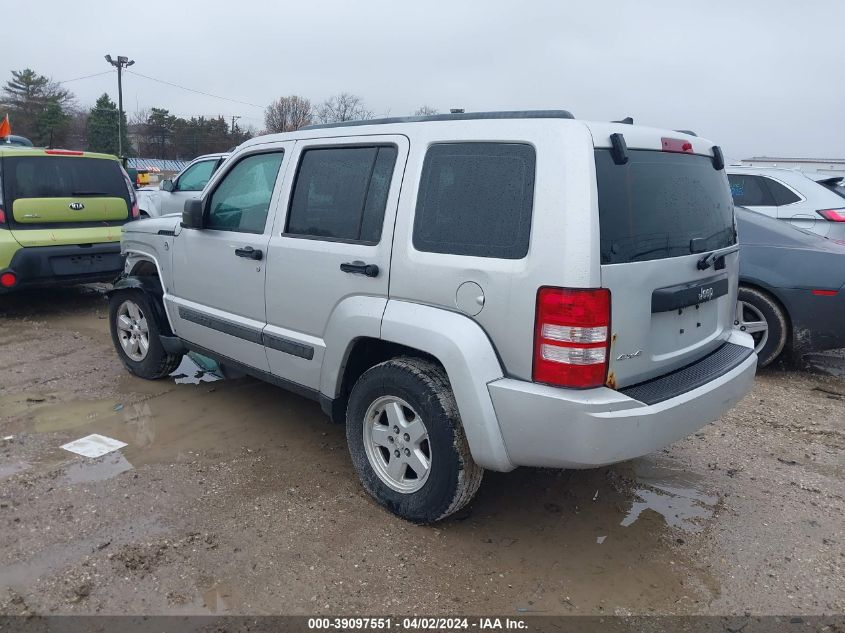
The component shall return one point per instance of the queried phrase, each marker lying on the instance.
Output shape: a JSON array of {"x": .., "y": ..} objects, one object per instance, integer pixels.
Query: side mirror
[
  {"x": 192, "y": 214},
  {"x": 166, "y": 185}
]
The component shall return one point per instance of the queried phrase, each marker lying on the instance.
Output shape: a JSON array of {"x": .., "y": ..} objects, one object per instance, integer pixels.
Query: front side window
[
  {"x": 341, "y": 193},
  {"x": 195, "y": 177},
  {"x": 476, "y": 199},
  {"x": 750, "y": 191},
  {"x": 242, "y": 199}
]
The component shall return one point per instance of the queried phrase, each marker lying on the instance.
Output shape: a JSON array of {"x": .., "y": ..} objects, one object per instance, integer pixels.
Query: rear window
[
  {"x": 653, "y": 206},
  {"x": 62, "y": 177},
  {"x": 839, "y": 190}
]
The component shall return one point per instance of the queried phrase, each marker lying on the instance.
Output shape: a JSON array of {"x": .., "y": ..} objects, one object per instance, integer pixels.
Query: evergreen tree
[
  {"x": 102, "y": 128},
  {"x": 38, "y": 108}
]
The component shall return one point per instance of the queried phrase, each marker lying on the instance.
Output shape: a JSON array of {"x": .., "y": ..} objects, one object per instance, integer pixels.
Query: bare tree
[
  {"x": 343, "y": 107},
  {"x": 425, "y": 111},
  {"x": 287, "y": 114}
]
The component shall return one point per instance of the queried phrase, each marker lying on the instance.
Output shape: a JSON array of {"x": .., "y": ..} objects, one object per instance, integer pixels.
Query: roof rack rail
[
  {"x": 452, "y": 116},
  {"x": 690, "y": 132}
]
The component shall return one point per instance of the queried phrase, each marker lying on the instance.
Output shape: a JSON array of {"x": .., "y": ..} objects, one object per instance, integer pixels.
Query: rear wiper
[
  {"x": 708, "y": 260},
  {"x": 88, "y": 193}
]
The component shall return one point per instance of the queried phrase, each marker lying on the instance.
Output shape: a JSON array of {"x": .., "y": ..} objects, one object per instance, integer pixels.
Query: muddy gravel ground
[{"x": 235, "y": 497}]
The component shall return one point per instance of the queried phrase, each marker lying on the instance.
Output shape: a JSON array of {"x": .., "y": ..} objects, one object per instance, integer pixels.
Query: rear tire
[
  {"x": 413, "y": 394},
  {"x": 135, "y": 334},
  {"x": 754, "y": 308}
]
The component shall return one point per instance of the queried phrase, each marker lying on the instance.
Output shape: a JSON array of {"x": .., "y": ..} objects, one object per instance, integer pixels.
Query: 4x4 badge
[
  {"x": 76, "y": 206},
  {"x": 627, "y": 356}
]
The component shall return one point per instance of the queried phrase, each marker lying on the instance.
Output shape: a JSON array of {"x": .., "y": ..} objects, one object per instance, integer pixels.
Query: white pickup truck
[{"x": 170, "y": 195}]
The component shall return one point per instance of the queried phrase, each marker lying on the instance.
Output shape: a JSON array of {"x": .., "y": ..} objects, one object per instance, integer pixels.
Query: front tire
[
  {"x": 761, "y": 316},
  {"x": 407, "y": 443},
  {"x": 135, "y": 335}
]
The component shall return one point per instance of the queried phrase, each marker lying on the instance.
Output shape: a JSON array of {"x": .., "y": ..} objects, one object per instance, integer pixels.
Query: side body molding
[{"x": 466, "y": 352}]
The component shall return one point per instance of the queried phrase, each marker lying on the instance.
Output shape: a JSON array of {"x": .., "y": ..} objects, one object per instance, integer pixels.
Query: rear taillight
[
  {"x": 571, "y": 335},
  {"x": 134, "y": 211},
  {"x": 2, "y": 216},
  {"x": 825, "y": 293},
  {"x": 7, "y": 280},
  {"x": 832, "y": 215}
]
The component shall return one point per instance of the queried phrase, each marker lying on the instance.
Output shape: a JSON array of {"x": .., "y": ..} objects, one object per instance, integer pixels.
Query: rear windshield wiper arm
[
  {"x": 88, "y": 193},
  {"x": 708, "y": 260}
]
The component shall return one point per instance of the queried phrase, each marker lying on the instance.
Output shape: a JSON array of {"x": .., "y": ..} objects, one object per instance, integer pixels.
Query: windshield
[{"x": 656, "y": 204}]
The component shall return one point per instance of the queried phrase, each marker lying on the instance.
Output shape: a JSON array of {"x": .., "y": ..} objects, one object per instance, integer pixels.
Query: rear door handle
[
  {"x": 249, "y": 252},
  {"x": 360, "y": 268}
]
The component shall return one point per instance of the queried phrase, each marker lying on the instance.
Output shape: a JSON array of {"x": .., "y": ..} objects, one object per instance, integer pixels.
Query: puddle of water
[
  {"x": 100, "y": 469},
  {"x": 218, "y": 599},
  {"x": 195, "y": 369},
  {"x": 672, "y": 493},
  {"x": 12, "y": 468},
  {"x": 161, "y": 421}
]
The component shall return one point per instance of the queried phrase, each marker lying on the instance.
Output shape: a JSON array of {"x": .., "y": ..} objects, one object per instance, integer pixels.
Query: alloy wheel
[
  {"x": 397, "y": 445},
  {"x": 749, "y": 319},
  {"x": 133, "y": 330}
]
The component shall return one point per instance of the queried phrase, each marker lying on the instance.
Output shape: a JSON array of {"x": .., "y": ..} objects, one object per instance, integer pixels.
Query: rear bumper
[
  {"x": 43, "y": 265},
  {"x": 817, "y": 320},
  {"x": 562, "y": 428}
]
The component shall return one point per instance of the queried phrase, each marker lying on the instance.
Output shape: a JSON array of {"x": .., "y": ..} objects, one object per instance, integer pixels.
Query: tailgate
[
  {"x": 46, "y": 189},
  {"x": 661, "y": 214},
  {"x": 670, "y": 317},
  {"x": 74, "y": 209}
]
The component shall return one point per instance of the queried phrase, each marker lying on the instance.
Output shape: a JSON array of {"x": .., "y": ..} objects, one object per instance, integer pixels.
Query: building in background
[{"x": 832, "y": 166}]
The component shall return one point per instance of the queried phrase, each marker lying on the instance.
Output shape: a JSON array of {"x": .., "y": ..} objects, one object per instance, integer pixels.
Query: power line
[
  {"x": 207, "y": 94},
  {"x": 67, "y": 81}
]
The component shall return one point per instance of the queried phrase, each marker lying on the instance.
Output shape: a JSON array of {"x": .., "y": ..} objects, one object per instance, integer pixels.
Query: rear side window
[
  {"x": 780, "y": 194},
  {"x": 476, "y": 199},
  {"x": 62, "y": 177},
  {"x": 341, "y": 193},
  {"x": 750, "y": 191},
  {"x": 656, "y": 204}
]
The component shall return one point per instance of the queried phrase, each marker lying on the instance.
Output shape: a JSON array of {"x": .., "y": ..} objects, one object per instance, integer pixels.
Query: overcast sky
[{"x": 756, "y": 76}]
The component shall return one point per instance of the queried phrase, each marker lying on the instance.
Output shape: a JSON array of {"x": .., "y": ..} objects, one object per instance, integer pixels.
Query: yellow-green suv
[{"x": 60, "y": 216}]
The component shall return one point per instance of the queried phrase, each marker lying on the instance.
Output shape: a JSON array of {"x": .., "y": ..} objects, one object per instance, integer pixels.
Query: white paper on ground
[{"x": 93, "y": 445}]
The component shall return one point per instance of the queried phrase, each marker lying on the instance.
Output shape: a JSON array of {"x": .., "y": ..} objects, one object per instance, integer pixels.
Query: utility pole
[
  {"x": 120, "y": 63},
  {"x": 234, "y": 118}
]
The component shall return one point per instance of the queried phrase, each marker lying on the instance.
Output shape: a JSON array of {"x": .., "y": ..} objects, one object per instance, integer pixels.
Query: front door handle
[
  {"x": 249, "y": 252},
  {"x": 360, "y": 268}
]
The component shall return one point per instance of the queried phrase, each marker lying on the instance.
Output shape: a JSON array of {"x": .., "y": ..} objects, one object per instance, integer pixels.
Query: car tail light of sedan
[{"x": 832, "y": 215}]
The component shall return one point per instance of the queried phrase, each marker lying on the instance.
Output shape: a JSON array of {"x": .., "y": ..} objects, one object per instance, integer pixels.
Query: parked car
[
  {"x": 170, "y": 195},
  {"x": 791, "y": 288},
  {"x": 12, "y": 139},
  {"x": 60, "y": 216},
  {"x": 836, "y": 184},
  {"x": 791, "y": 196},
  {"x": 561, "y": 296}
]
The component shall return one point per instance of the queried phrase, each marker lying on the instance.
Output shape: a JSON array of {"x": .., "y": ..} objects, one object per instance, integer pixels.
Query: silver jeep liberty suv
[{"x": 464, "y": 292}]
